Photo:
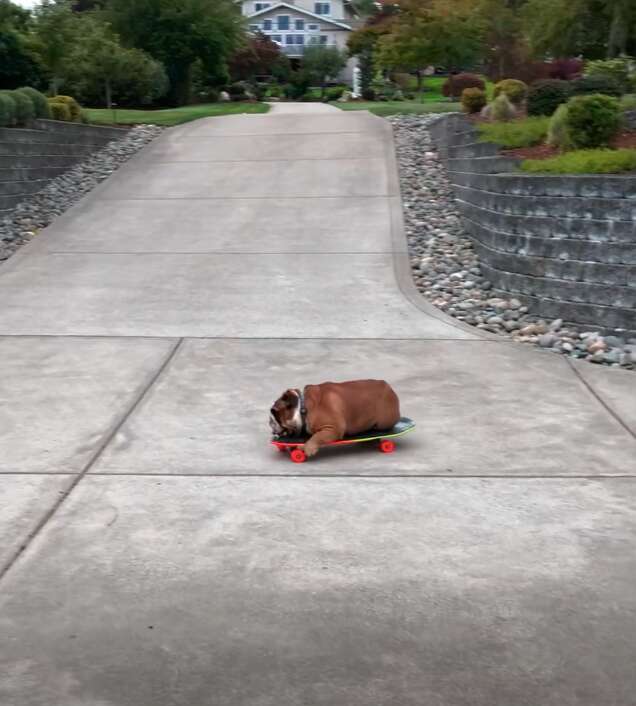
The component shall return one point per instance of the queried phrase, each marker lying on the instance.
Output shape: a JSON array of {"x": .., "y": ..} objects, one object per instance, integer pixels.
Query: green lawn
[
  {"x": 170, "y": 116},
  {"x": 385, "y": 108}
]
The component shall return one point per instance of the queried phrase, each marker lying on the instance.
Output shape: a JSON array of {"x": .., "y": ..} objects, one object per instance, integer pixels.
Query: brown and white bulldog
[{"x": 333, "y": 410}]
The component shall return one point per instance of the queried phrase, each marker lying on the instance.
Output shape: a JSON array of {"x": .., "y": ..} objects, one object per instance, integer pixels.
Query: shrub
[
  {"x": 584, "y": 162},
  {"x": 544, "y": 97},
  {"x": 332, "y": 94},
  {"x": 593, "y": 121},
  {"x": 590, "y": 85},
  {"x": 558, "y": 132},
  {"x": 24, "y": 109},
  {"x": 501, "y": 109},
  {"x": 520, "y": 133},
  {"x": 236, "y": 89},
  {"x": 565, "y": 69},
  {"x": 60, "y": 111},
  {"x": 473, "y": 100},
  {"x": 614, "y": 70},
  {"x": 7, "y": 110},
  {"x": 73, "y": 106},
  {"x": 39, "y": 101},
  {"x": 454, "y": 86},
  {"x": 516, "y": 91}
]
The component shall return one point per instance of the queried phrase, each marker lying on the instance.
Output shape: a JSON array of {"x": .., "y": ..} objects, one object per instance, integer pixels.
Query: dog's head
[{"x": 285, "y": 417}]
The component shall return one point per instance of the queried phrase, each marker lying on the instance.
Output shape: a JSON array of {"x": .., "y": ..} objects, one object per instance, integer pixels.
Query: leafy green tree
[
  {"x": 56, "y": 29},
  {"x": 255, "y": 58},
  {"x": 322, "y": 63},
  {"x": 99, "y": 69},
  {"x": 595, "y": 29},
  {"x": 13, "y": 16},
  {"x": 431, "y": 32},
  {"x": 178, "y": 32},
  {"x": 18, "y": 65}
]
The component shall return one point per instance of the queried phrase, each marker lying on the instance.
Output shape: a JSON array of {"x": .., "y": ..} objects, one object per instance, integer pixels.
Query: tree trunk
[
  {"x": 109, "y": 97},
  {"x": 617, "y": 40}
]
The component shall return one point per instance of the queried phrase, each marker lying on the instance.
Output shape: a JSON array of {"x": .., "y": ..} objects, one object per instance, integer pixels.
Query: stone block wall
[
  {"x": 29, "y": 158},
  {"x": 565, "y": 245}
]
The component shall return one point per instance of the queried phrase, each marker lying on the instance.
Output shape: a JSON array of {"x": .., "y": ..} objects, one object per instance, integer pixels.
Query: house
[{"x": 297, "y": 24}]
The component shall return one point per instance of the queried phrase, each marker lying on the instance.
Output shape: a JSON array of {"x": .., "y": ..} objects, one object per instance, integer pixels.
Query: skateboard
[{"x": 294, "y": 445}]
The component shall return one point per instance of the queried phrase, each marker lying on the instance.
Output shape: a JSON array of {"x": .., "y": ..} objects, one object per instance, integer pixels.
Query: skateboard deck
[{"x": 294, "y": 445}]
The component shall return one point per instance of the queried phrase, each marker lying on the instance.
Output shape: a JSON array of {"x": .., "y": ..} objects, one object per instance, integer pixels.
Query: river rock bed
[
  {"x": 446, "y": 268},
  {"x": 39, "y": 210}
]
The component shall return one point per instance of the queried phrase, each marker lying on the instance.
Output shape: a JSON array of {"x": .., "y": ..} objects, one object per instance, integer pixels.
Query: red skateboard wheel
[
  {"x": 387, "y": 446},
  {"x": 298, "y": 456}
]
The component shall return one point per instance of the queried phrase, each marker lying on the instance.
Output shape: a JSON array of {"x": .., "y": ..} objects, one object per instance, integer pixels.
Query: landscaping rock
[
  {"x": 38, "y": 210},
  {"x": 447, "y": 271}
]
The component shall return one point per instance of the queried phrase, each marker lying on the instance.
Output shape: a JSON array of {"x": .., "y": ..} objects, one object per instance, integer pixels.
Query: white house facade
[{"x": 297, "y": 24}]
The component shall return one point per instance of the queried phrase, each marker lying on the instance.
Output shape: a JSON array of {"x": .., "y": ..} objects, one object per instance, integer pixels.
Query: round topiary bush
[
  {"x": 500, "y": 110},
  {"x": 60, "y": 111},
  {"x": 544, "y": 97},
  {"x": 591, "y": 85},
  {"x": 558, "y": 132},
  {"x": 454, "y": 86},
  {"x": 516, "y": 91},
  {"x": 25, "y": 110},
  {"x": 73, "y": 106},
  {"x": 7, "y": 110},
  {"x": 593, "y": 121},
  {"x": 473, "y": 100},
  {"x": 39, "y": 101}
]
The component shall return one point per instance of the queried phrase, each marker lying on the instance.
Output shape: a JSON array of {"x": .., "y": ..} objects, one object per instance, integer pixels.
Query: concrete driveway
[{"x": 158, "y": 552}]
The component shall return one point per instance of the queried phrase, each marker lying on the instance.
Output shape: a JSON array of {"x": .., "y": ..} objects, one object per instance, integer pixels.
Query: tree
[
  {"x": 99, "y": 68},
  {"x": 431, "y": 32},
  {"x": 13, "y": 16},
  {"x": 18, "y": 66},
  {"x": 323, "y": 63},
  {"x": 56, "y": 29},
  {"x": 255, "y": 58},
  {"x": 595, "y": 29},
  {"x": 178, "y": 32}
]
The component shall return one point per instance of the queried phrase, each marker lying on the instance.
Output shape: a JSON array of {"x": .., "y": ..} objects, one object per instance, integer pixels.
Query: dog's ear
[{"x": 289, "y": 397}]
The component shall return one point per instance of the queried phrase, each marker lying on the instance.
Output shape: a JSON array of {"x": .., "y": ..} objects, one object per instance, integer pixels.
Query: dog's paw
[{"x": 310, "y": 448}]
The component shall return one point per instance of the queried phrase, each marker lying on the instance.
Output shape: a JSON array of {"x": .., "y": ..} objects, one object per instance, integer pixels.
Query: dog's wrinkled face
[{"x": 285, "y": 417}]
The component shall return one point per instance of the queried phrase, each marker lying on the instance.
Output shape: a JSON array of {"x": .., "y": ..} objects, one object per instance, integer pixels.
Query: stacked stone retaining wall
[
  {"x": 29, "y": 158},
  {"x": 565, "y": 245}
]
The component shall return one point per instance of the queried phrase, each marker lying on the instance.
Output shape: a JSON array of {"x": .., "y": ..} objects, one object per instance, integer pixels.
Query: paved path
[{"x": 171, "y": 558}]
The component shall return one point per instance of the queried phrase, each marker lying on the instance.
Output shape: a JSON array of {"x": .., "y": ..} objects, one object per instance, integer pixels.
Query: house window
[
  {"x": 300, "y": 25},
  {"x": 322, "y": 8},
  {"x": 283, "y": 23},
  {"x": 300, "y": 39},
  {"x": 258, "y": 6},
  {"x": 267, "y": 25},
  {"x": 323, "y": 38},
  {"x": 289, "y": 39},
  {"x": 313, "y": 28}
]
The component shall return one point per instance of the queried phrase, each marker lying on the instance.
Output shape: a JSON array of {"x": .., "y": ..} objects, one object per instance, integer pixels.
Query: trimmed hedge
[
  {"x": 593, "y": 121},
  {"x": 590, "y": 85},
  {"x": 7, "y": 109},
  {"x": 544, "y": 97},
  {"x": 39, "y": 101},
  {"x": 60, "y": 111},
  {"x": 473, "y": 100},
  {"x": 516, "y": 91},
  {"x": 72, "y": 106}
]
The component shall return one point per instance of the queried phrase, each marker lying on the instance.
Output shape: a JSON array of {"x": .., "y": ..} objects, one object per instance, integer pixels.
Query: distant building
[{"x": 298, "y": 24}]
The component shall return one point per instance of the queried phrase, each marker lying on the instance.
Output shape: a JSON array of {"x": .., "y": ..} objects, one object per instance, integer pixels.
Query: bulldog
[{"x": 333, "y": 410}]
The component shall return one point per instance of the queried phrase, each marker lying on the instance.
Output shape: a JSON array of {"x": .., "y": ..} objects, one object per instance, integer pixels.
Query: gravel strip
[
  {"x": 446, "y": 268},
  {"x": 40, "y": 209}
]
